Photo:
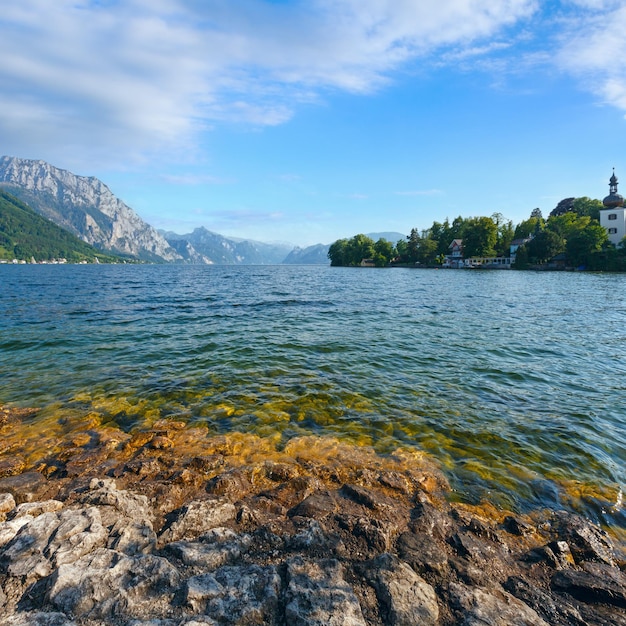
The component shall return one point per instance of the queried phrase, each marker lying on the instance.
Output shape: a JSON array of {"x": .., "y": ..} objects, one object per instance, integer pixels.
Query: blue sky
[{"x": 307, "y": 121}]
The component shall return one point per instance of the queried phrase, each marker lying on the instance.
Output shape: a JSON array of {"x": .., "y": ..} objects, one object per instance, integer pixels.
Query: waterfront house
[
  {"x": 454, "y": 258},
  {"x": 516, "y": 244}
]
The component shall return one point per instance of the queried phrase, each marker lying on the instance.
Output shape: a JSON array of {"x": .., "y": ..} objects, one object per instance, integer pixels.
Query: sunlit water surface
[{"x": 514, "y": 382}]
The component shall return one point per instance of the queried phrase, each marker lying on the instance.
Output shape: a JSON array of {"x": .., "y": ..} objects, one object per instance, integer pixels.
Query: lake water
[{"x": 514, "y": 382}]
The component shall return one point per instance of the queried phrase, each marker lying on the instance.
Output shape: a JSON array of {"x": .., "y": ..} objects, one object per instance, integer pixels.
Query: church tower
[{"x": 613, "y": 216}]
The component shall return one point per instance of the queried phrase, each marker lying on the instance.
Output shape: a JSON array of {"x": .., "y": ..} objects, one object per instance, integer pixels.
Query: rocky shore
[{"x": 171, "y": 526}]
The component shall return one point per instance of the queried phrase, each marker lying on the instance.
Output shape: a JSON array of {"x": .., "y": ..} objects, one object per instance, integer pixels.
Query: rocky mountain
[
  {"x": 311, "y": 255},
  {"x": 204, "y": 246},
  {"x": 86, "y": 207}
]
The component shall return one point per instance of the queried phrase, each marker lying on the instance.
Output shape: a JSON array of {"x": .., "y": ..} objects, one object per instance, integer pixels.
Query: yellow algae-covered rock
[
  {"x": 161, "y": 443},
  {"x": 139, "y": 439},
  {"x": 11, "y": 466}
]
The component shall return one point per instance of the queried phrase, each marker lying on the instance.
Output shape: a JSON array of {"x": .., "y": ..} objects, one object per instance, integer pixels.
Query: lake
[{"x": 513, "y": 382}]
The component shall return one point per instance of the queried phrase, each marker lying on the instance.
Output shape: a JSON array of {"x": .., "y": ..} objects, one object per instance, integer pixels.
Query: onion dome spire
[{"x": 614, "y": 199}]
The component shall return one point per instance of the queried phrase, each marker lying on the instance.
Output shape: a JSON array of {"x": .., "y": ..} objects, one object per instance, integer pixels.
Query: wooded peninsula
[{"x": 571, "y": 237}]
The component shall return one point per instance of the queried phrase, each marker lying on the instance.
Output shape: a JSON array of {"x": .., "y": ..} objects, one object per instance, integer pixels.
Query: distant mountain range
[
  {"x": 203, "y": 246},
  {"x": 88, "y": 209}
]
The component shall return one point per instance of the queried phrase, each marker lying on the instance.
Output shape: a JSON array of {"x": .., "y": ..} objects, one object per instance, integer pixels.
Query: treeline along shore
[{"x": 571, "y": 237}]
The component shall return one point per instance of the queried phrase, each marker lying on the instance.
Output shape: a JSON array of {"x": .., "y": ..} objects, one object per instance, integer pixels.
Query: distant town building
[{"x": 613, "y": 216}]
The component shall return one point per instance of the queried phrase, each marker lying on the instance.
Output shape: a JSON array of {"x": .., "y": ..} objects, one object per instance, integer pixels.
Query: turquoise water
[{"x": 514, "y": 382}]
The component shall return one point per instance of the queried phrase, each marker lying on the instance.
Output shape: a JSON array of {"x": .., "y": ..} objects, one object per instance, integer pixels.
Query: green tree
[
  {"x": 338, "y": 253},
  {"x": 480, "y": 236},
  {"x": 384, "y": 251},
  {"x": 360, "y": 247},
  {"x": 587, "y": 207},
  {"x": 521, "y": 258},
  {"x": 444, "y": 233},
  {"x": 413, "y": 245},
  {"x": 565, "y": 206},
  {"x": 529, "y": 227},
  {"x": 402, "y": 250},
  {"x": 350, "y": 252},
  {"x": 505, "y": 234},
  {"x": 584, "y": 242},
  {"x": 544, "y": 246}
]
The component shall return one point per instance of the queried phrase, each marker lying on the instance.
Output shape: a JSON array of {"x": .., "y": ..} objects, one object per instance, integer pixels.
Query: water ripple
[{"x": 511, "y": 382}]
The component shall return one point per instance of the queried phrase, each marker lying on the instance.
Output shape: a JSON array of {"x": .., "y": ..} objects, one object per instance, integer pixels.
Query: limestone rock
[
  {"x": 37, "y": 618},
  {"x": 52, "y": 539},
  {"x": 218, "y": 547},
  {"x": 318, "y": 505},
  {"x": 236, "y": 595},
  {"x": 132, "y": 537},
  {"x": 197, "y": 518},
  {"x": 422, "y": 552},
  {"x": 318, "y": 595},
  {"x": 587, "y": 541},
  {"x": 480, "y": 607},
  {"x": 555, "y": 610},
  {"x": 33, "y": 509},
  {"x": 407, "y": 598},
  {"x": 7, "y": 504},
  {"x": 105, "y": 584},
  {"x": 9, "y": 529},
  {"x": 104, "y": 493},
  {"x": 597, "y": 583}
]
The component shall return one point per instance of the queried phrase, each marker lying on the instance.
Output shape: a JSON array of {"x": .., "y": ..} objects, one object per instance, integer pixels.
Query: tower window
[
  {"x": 612, "y": 231},
  {"x": 613, "y": 216}
]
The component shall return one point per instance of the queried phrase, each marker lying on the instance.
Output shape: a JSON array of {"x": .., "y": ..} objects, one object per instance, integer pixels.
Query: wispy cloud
[
  {"x": 138, "y": 78},
  {"x": 591, "y": 50},
  {"x": 142, "y": 79}
]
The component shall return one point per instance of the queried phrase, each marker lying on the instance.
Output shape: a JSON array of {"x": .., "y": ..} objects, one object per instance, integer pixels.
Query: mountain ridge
[{"x": 85, "y": 206}]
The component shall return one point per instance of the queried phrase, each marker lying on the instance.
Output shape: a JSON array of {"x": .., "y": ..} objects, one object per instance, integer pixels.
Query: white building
[{"x": 613, "y": 216}]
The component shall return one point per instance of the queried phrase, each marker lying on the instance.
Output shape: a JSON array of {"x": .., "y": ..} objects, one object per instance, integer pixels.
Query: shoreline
[{"x": 142, "y": 528}]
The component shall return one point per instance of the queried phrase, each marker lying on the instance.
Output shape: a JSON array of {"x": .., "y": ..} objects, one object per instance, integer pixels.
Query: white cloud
[
  {"x": 142, "y": 78},
  {"x": 592, "y": 50}
]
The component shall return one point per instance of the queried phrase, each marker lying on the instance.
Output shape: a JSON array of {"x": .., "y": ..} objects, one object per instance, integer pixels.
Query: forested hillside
[{"x": 25, "y": 235}]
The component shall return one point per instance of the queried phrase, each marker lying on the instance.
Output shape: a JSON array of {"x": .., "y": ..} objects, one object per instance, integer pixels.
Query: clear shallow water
[{"x": 514, "y": 382}]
